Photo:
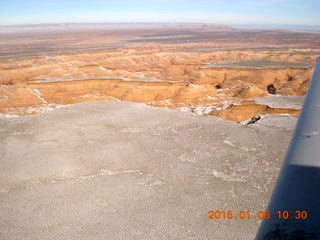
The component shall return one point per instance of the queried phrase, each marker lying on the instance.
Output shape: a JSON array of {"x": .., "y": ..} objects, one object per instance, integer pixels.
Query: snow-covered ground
[{"x": 119, "y": 170}]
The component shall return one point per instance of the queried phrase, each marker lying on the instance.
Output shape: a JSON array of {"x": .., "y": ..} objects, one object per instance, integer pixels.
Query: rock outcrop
[
  {"x": 239, "y": 113},
  {"x": 165, "y": 75}
]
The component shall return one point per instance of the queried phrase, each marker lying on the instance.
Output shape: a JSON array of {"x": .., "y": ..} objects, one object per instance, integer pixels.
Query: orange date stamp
[{"x": 261, "y": 214}]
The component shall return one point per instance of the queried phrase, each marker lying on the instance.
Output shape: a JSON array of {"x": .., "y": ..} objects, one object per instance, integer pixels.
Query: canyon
[{"x": 209, "y": 70}]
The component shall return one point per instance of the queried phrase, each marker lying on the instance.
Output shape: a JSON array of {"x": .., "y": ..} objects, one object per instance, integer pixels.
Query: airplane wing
[{"x": 295, "y": 203}]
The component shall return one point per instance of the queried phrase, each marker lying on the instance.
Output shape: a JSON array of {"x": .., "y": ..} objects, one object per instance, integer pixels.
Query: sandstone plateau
[{"x": 204, "y": 69}]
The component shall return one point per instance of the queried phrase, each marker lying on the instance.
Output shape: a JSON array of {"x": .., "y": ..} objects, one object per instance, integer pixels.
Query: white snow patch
[
  {"x": 185, "y": 109},
  {"x": 156, "y": 183},
  {"x": 228, "y": 143},
  {"x": 202, "y": 110},
  {"x": 184, "y": 158},
  {"x": 9, "y": 115},
  {"x": 103, "y": 68},
  {"x": 211, "y": 97},
  {"x": 195, "y": 86},
  {"x": 37, "y": 93},
  {"x": 131, "y": 130},
  {"x": 221, "y": 175}
]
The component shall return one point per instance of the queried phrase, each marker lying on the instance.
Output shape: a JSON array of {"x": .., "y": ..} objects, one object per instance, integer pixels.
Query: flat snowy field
[{"x": 119, "y": 170}]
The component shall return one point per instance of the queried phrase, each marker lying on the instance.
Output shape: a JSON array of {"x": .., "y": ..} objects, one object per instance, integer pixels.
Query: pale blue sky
[{"x": 305, "y": 12}]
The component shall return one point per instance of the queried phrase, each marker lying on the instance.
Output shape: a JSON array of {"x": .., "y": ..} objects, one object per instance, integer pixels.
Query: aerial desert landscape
[
  {"x": 137, "y": 131},
  {"x": 206, "y": 69}
]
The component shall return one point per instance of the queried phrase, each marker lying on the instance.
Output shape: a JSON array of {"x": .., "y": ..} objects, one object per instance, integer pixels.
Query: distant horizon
[
  {"x": 225, "y": 12},
  {"x": 238, "y": 26}
]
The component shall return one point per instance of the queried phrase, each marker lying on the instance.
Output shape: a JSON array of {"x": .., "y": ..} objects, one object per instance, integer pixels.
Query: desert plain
[{"x": 137, "y": 131}]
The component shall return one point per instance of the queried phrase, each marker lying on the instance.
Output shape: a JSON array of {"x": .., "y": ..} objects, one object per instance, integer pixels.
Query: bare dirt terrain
[
  {"x": 128, "y": 171},
  {"x": 113, "y": 131}
]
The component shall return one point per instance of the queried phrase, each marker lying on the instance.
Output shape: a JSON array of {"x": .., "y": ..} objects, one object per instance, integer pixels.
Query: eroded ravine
[{"x": 215, "y": 83}]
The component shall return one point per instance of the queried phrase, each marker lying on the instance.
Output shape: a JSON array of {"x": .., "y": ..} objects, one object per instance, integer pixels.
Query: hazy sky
[{"x": 211, "y": 11}]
